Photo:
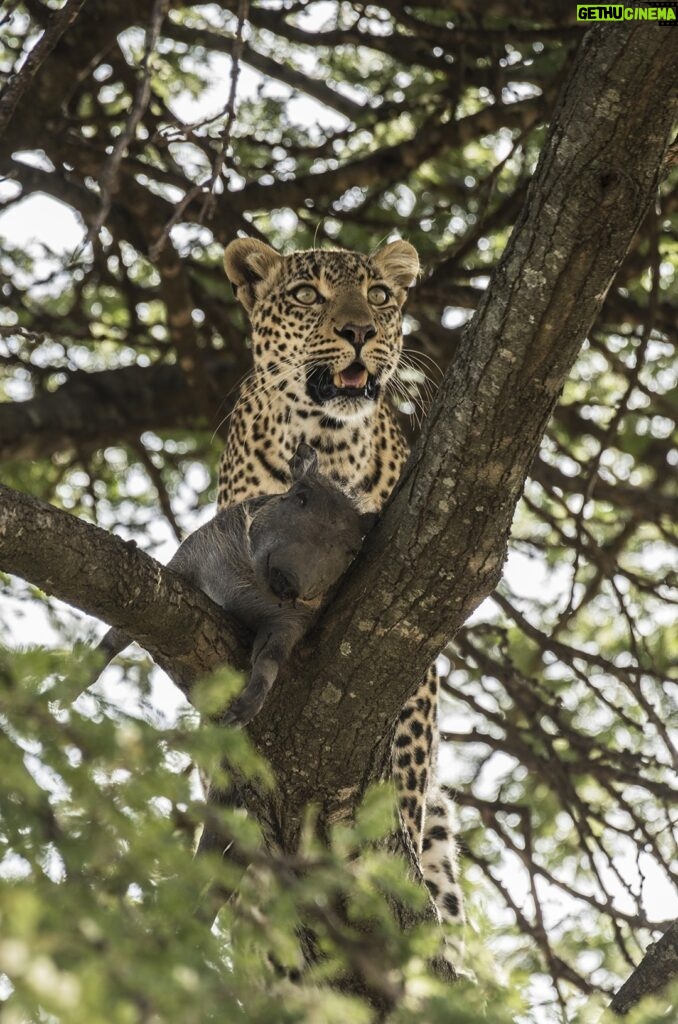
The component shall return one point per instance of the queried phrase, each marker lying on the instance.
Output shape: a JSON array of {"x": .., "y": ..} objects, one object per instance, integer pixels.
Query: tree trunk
[{"x": 439, "y": 548}]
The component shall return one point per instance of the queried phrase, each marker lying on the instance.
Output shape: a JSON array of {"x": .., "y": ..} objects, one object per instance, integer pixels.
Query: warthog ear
[
  {"x": 247, "y": 263},
  {"x": 304, "y": 462},
  {"x": 398, "y": 263},
  {"x": 367, "y": 521}
]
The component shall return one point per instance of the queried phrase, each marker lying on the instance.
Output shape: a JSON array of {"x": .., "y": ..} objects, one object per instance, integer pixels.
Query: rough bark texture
[
  {"x": 527, "y": 682},
  {"x": 657, "y": 969}
]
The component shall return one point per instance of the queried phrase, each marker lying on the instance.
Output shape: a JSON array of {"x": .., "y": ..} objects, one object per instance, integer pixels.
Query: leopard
[{"x": 327, "y": 339}]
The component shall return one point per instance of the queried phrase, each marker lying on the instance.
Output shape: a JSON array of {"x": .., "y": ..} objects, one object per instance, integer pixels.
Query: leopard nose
[{"x": 356, "y": 334}]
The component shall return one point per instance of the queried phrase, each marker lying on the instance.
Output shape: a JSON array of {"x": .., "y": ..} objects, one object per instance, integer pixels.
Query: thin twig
[
  {"x": 206, "y": 188},
  {"x": 108, "y": 178},
  {"x": 243, "y": 12},
  {"x": 10, "y": 8},
  {"x": 622, "y": 407},
  {"x": 156, "y": 479}
]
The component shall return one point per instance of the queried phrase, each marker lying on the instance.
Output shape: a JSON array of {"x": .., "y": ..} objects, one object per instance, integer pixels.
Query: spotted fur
[{"x": 321, "y": 319}]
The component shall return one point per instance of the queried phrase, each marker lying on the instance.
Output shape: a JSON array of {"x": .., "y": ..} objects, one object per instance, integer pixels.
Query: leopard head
[{"x": 326, "y": 324}]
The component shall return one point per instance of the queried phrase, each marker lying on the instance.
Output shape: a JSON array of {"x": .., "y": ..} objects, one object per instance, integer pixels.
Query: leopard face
[{"x": 326, "y": 324}]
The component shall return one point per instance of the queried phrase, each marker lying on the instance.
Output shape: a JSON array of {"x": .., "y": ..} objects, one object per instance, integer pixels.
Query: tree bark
[{"x": 439, "y": 548}]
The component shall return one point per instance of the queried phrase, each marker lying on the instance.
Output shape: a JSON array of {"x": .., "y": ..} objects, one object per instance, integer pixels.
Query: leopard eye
[
  {"x": 378, "y": 295},
  {"x": 306, "y": 294}
]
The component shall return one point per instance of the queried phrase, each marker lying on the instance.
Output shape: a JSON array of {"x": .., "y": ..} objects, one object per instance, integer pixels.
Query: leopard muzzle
[{"x": 355, "y": 381}]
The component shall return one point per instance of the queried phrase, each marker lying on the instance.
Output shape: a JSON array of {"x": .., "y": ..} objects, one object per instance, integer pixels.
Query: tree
[{"x": 119, "y": 354}]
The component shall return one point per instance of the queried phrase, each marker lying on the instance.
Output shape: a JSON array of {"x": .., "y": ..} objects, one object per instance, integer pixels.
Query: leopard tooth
[{"x": 338, "y": 383}]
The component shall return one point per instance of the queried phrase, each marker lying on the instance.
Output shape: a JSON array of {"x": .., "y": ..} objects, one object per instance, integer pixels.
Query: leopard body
[{"x": 326, "y": 341}]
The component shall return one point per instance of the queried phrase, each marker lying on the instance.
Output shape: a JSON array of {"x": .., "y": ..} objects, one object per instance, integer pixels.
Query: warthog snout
[{"x": 283, "y": 583}]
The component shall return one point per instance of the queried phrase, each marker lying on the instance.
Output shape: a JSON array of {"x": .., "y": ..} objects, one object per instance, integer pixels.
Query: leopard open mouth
[{"x": 355, "y": 381}]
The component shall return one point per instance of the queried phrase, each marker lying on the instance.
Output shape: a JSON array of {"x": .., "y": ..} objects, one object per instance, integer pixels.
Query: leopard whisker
[
  {"x": 426, "y": 385},
  {"x": 418, "y": 393},
  {"x": 401, "y": 394},
  {"x": 424, "y": 357}
]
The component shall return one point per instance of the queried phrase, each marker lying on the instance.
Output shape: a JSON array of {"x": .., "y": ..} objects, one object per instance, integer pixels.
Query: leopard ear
[
  {"x": 247, "y": 263},
  {"x": 398, "y": 263}
]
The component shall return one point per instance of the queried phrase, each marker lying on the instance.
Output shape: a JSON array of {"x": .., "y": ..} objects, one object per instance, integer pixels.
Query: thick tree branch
[
  {"x": 104, "y": 575},
  {"x": 111, "y": 406},
  {"x": 658, "y": 968},
  {"x": 527, "y": 684},
  {"x": 391, "y": 163}
]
